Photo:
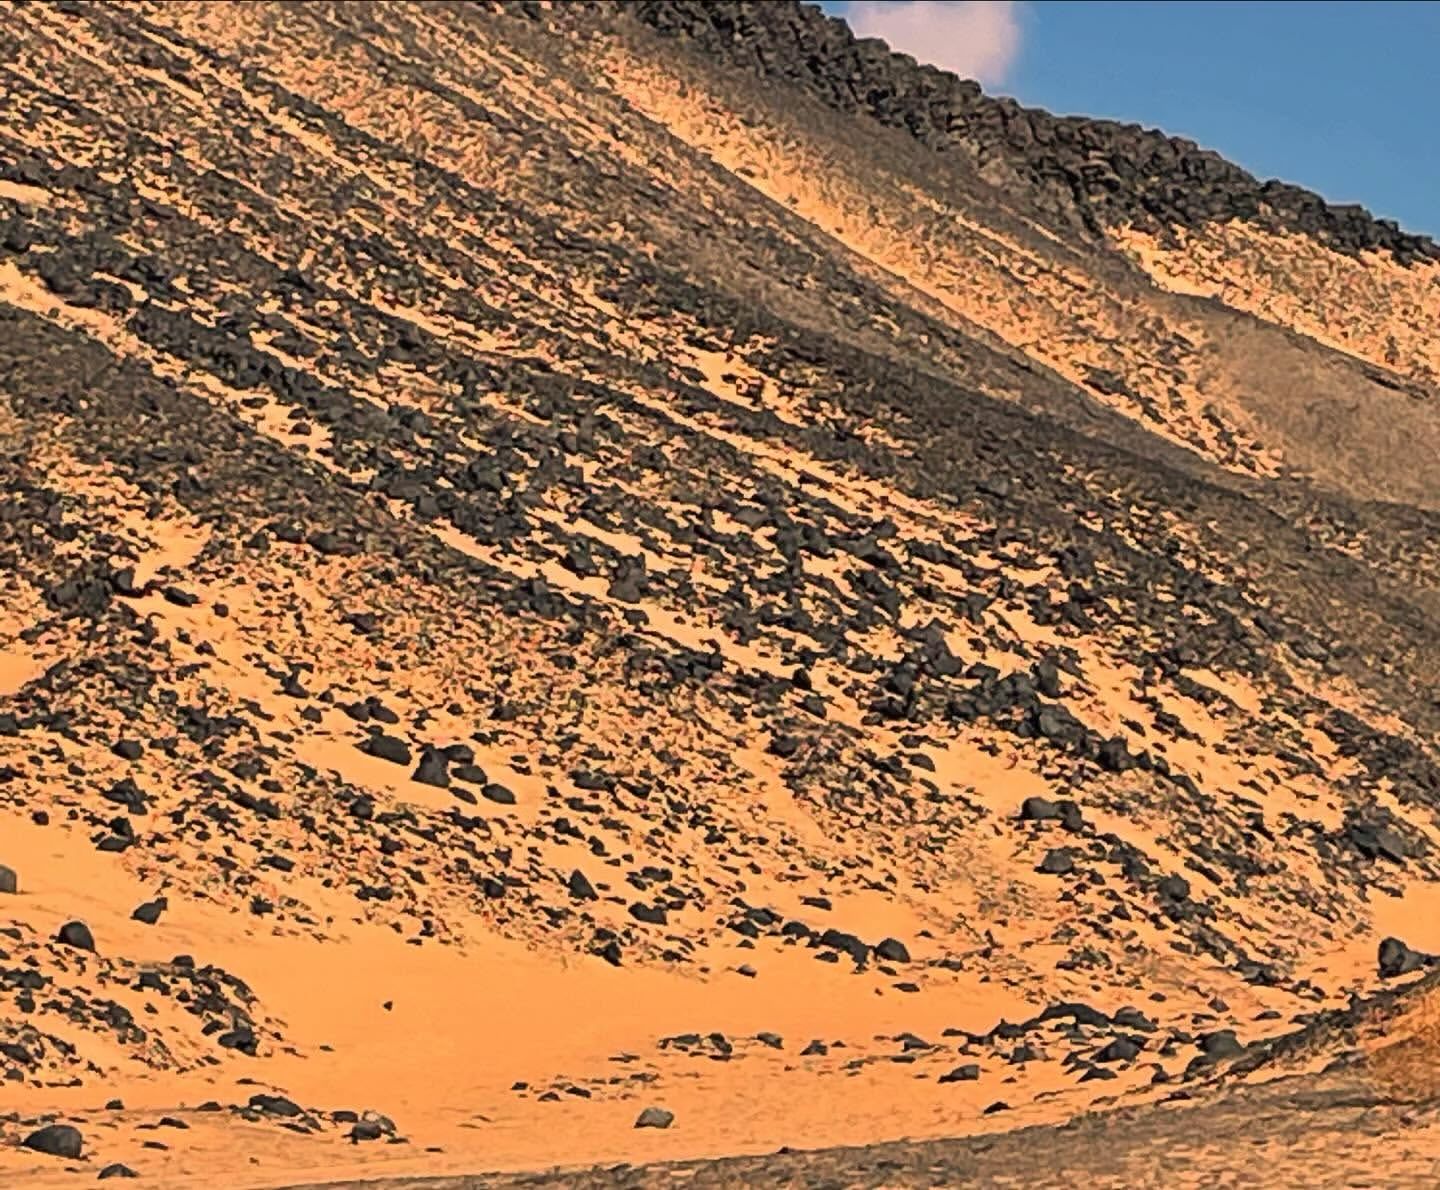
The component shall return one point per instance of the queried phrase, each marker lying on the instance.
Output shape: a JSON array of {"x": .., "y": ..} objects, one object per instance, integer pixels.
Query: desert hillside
[{"x": 606, "y": 584}]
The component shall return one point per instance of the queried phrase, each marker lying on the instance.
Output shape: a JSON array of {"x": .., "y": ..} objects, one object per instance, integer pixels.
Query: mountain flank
[{"x": 588, "y": 586}]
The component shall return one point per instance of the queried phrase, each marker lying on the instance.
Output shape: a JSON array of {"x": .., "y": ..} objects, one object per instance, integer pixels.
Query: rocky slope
[{"x": 562, "y": 561}]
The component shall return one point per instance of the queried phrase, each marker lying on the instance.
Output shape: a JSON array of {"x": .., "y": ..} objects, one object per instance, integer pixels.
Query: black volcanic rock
[
  {"x": 655, "y": 1117},
  {"x": 833, "y": 939},
  {"x": 1090, "y": 174},
  {"x": 1396, "y": 959},
  {"x": 654, "y": 915},
  {"x": 76, "y": 934},
  {"x": 1056, "y": 863},
  {"x": 500, "y": 794},
  {"x": 433, "y": 769},
  {"x": 580, "y": 888},
  {"x": 56, "y": 1140},
  {"x": 388, "y": 747},
  {"x": 149, "y": 912}
]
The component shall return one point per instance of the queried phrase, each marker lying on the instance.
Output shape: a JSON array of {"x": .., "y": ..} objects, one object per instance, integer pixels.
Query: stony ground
[
  {"x": 529, "y": 600},
  {"x": 1301, "y": 1133}
]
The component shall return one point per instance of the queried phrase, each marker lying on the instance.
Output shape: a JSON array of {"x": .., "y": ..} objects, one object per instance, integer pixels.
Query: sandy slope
[{"x": 576, "y": 605}]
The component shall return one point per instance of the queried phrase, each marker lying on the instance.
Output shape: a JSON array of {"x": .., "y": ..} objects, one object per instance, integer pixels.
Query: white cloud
[{"x": 977, "y": 39}]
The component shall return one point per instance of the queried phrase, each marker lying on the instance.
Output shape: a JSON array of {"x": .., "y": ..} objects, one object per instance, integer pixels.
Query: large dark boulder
[
  {"x": 76, "y": 934},
  {"x": 1396, "y": 959},
  {"x": 56, "y": 1140}
]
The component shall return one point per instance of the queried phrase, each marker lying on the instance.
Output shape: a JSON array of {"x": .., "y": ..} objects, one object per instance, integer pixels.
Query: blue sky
[{"x": 1341, "y": 98}]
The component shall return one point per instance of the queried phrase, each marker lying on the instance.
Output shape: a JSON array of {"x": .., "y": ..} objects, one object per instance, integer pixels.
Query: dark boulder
[
  {"x": 388, "y": 747},
  {"x": 653, "y": 915},
  {"x": 1039, "y": 809},
  {"x": 149, "y": 912},
  {"x": 1173, "y": 888},
  {"x": 1121, "y": 1049},
  {"x": 275, "y": 1105},
  {"x": 580, "y": 887},
  {"x": 1221, "y": 1044},
  {"x": 1376, "y": 841},
  {"x": 76, "y": 934},
  {"x": 833, "y": 939},
  {"x": 1115, "y": 757},
  {"x": 433, "y": 769},
  {"x": 655, "y": 1117},
  {"x": 1396, "y": 959},
  {"x": 1056, "y": 863},
  {"x": 56, "y": 1140}
]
